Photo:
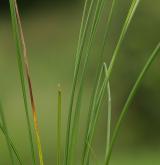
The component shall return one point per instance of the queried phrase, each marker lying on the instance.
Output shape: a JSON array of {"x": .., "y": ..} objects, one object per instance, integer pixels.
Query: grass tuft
[{"x": 91, "y": 17}]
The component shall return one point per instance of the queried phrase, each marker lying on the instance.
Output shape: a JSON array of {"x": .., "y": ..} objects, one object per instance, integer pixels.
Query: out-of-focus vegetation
[{"x": 51, "y": 35}]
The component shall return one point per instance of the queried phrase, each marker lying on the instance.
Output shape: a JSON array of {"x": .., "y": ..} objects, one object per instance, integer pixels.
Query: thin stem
[
  {"x": 59, "y": 111},
  {"x": 93, "y": 153},
  {"x": 122, "y": 35},
  {"x": 94, "y": 93},
  {"x": 109, "y": 114},
  {"x": 12, "y": 145},
  {"x": 96, "y": 113},
  {"x": 75, "y": 78},
  {"x": 24, "y": 53},
  {"x": 108, "y": 23},
  {"x": 130, "y": 99},
  {"x": 80, "y": 92},
  {"x": 130, "y": 15},
  {"x": 21, "y": 74},
  {"x": 90, "y": 118},
  {"x": 7, "y": 136}
]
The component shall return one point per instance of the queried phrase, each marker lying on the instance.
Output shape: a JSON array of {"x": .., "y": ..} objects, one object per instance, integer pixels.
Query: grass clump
[{"x": 92, "y": 15}]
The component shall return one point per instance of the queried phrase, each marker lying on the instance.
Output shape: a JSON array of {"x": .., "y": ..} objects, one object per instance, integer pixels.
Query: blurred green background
[{"x": 51, "y": 32}]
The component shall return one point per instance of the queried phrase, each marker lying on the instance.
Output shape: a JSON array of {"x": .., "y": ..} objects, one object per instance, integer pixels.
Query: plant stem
[
  {"x": 35, "y": 117},
  {"x": 109, "y": 113},
  {"x": 81, "y": 42},
  {"x": 59, "y": 110},
  {"x": 7, "y": 136},
  {"x": 21, "y": 74},
  {"x": 12, "y": 145},
  {"x": 130, "y": 99}
]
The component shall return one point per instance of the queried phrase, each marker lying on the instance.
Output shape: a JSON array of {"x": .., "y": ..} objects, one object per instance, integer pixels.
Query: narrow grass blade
[
  {"x": 82, "y": 28},
  {"x": 130, "y": 99},
  {"x": 80, "y": 46},
  {"x": 94, "y": 93},
  {"x": 11, "y": 145},
  {"x": 109, "y": 113},
  {"x": 76, "y": 116},
  {"x": 21, "y": 73},
  {"x": 127, "y": 22},
  {"x": 96, "y": 19},
  {"x": 122, "y": 35},
  {"x": 90, "y": 115},
  {"x": 94, "y": 119},
  {"x": 7, "y": 136},
  {"x": 108, "y": 23},
  {"x": 35, "y": 118},
  {"x": 93, "y": 153},
  {"x": 59, "y": 125}
]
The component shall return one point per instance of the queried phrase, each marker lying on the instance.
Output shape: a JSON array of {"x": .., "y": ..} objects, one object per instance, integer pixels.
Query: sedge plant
[{"x": 91, "y": 18}]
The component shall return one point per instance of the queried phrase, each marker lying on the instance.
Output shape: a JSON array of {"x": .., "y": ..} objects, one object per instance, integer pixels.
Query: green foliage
[
  {"x": 10, "y": 144},
  {"x": 59, "y": 111},
  {"x": 92, "y": 15},
  {"x": 130, "y": 98},
  {"x": 21, "y": 72},
  {"x": 7, "y": 137}
]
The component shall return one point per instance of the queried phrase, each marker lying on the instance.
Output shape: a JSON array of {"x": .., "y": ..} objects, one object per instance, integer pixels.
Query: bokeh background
[{"x": 51, "y": 32}]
